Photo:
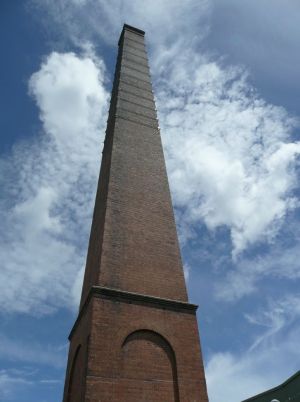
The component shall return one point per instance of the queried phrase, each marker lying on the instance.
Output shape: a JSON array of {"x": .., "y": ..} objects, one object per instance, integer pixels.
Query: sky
[{"x": 226, "y": 80}]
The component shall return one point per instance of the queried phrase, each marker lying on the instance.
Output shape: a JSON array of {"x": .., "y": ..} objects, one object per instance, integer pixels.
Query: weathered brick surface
[{"x": 134, "y": 349}]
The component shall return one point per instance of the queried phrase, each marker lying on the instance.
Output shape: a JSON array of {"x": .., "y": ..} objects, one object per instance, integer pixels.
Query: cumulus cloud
[{"x": 50, "y": 185}]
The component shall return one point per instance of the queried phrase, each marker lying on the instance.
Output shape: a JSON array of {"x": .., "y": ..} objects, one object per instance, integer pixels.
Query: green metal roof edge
[{"x": 275, "y": 388}]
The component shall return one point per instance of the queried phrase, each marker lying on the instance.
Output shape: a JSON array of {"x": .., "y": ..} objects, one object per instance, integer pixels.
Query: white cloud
[
  {"x": 50, "y": 185},
  {"x": 50, "y": 382},
  {"x": 276, "y": 316},
  {"x": 186, "y": 271},
  {"x": 77, "y": 286},
  {"x": 230, "y": 158},
  {"x": 68, "y": 90}
]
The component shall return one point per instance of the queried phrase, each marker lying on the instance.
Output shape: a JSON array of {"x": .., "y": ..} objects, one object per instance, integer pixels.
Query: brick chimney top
[{"x": 130, "y": 28}]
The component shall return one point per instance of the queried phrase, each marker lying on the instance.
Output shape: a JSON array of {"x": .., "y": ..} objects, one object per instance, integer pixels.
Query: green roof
[{"x": 289, "y": 391}]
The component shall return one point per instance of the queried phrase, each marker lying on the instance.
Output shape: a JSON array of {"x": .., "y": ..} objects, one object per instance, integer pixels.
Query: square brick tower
[{"x": 136, "y": 335}]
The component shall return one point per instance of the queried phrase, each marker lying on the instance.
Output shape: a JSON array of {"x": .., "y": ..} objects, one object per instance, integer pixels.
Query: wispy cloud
[
  {"x": 10, "y": 384},
  {"x": 186, "y": 271},
  {"x": 50, "y": 381},
  {"x": 281, "y": 263},
  {"x": 267, "y": 365},
  {"x": 31, "y": 352},
  {"x": 278, "y": 315},
  {"x": 165, "y": 21},
  {"x": 272, "y": 354}
]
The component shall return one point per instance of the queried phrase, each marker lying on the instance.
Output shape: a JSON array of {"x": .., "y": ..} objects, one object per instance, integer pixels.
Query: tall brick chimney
[{"x": 136, "y": 336}]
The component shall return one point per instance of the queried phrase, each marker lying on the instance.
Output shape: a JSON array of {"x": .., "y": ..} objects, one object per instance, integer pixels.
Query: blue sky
[{"x": 226, "y": 81}]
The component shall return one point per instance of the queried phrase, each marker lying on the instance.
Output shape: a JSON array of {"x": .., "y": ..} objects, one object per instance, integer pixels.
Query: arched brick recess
[
  {"x": 75, "y": 380},
  {"x": 148, "y": 368}
]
